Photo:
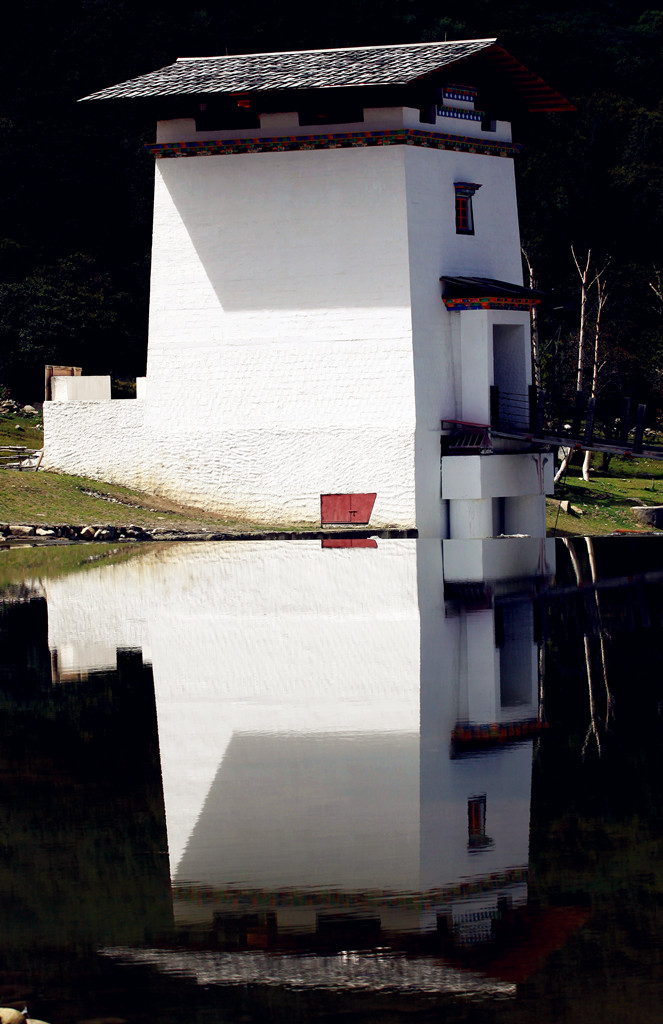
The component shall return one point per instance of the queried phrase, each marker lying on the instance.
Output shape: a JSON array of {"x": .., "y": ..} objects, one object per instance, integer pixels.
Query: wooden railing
[
  {"x": 19, "y": 457},
  {"x": 581, "y": 421}
]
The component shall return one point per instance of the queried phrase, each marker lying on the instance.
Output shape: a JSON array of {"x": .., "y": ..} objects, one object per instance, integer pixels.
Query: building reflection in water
[{"x": 345, "y": 734}]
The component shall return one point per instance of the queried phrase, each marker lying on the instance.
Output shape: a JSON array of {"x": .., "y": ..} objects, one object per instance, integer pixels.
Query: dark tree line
[{"x": 75, "y": 195}]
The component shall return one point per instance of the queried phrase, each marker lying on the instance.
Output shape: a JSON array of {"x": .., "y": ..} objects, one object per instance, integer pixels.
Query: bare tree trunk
[
  {"x": 595, "y": 726},
  {"x": 584, "y": 277},
  {"x": 534, "y": 324},
  {"x": 600, "y": 303},
  {"x": 563, "y": 465},
  {"x": 580, "y": 366},
  {"x": 609, "y": 701},
  {"x": 657, "y": 287}
]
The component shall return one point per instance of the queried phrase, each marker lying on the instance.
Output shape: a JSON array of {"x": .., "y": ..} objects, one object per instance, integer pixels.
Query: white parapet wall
[
  {"x": 504, "y": 476},
  {"x": 80, "y": 389},
  {"x": 255, "y": 475}
]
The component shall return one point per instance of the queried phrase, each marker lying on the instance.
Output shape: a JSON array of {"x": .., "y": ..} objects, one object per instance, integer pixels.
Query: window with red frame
[{"x": 464, "y": 213}]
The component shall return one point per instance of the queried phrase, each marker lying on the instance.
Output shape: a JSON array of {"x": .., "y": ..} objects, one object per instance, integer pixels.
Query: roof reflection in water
[
  {"x": 374, "y": 972},
  {"x": 346, "y": 757}
]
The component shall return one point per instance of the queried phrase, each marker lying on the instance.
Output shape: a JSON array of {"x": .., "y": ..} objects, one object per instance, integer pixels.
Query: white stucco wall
[
  {"x": 285, "y": 276},
  {"x": 429, "y": 207}
]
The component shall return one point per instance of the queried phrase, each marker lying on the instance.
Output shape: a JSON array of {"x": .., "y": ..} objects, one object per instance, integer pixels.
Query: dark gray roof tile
[
  {"x": 479, "y": 287},
  {"x": 301, "y": 69}
]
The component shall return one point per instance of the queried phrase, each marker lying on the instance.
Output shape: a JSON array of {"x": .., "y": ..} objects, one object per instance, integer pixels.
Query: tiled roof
[{"x": 299, "y": 69}]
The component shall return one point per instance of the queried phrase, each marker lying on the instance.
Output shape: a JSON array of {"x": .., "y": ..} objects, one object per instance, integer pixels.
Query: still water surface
[{"x": 271, "y": 781}]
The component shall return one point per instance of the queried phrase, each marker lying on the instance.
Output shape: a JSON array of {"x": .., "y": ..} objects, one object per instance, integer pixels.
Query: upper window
[
  {"x": 338, "y": 114},
  {"x": 464, "y": 212}
]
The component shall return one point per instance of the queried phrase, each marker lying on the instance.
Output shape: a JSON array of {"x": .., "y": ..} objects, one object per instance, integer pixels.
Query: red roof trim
[{"x": 537, "y": 94}]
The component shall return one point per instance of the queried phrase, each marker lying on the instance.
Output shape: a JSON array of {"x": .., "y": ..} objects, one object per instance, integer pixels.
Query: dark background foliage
[{"x": 76, "y": 183}]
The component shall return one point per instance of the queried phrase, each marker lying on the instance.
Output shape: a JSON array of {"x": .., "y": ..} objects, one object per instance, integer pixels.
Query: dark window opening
[
  {"x": 239, "y": 931},
  {"x": 332, "y": 115},
  {"x": 476, "y": 824},
  {"x": 220, "y": 116},
  {"x": 344, "y": 931}
]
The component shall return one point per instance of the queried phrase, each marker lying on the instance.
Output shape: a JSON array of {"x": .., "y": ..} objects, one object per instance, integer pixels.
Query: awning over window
[{"x": 487, "y": 293}]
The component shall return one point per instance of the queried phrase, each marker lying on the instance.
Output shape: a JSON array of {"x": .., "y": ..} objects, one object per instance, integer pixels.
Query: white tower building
[{"x": 336, "y": 288}]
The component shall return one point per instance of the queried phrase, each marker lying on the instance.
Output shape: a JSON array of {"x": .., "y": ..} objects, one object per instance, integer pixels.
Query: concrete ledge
[
  {"x": 505, "y": 476},
  {"x": 650, "y": 515}
]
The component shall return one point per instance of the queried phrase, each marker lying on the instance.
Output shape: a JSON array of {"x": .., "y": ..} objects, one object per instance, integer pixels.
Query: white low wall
[
  {"x": 270, "y": 477},
  {"x": 102, "y": 440}
]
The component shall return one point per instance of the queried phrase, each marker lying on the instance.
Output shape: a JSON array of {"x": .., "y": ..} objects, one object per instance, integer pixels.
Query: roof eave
[{"x": 528, "y": 90}]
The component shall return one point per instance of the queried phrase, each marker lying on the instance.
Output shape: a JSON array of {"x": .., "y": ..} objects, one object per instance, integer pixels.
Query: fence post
[
  {"x": 540, "y": 413},
  {"x": 533, "y": 406},
  {"x": 639, "y": 428},
  {"x": 577, "y": 415},
  {"x": 589, "y": 421},
  {"x": 626, "y": 416},
  {"x": 494, "y": 406}
]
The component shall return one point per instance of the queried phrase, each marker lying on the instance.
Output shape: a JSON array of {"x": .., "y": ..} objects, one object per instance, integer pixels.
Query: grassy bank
[
  {"x": 21, "y": 430},
  {"x": 58, "y": 499},
  {"x": 604, "y": 502},
  {"x": 39, "y": 563}
]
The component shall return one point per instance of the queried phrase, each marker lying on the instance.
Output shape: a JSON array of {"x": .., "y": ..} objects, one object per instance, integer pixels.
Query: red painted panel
[
  {"x": 346, "y": 508},
  {"x": 349, "y": 542}
]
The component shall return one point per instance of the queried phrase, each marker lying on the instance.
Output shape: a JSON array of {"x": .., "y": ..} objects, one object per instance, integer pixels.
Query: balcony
[{"x": 537, "y": 419}]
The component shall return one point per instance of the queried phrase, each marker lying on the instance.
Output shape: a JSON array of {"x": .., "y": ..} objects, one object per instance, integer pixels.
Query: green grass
[
  {"x": 607, "y": 498},
  {"x": 58, "y": 499},
  {"x": 20, "y": 564},
  {"x": 29, "y": 434}
]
